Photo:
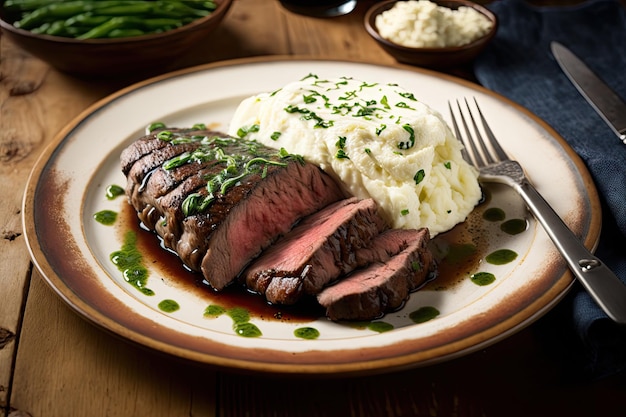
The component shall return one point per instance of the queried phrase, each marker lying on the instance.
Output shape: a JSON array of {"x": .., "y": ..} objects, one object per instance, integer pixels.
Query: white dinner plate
[{"x": 449, "y": 317}]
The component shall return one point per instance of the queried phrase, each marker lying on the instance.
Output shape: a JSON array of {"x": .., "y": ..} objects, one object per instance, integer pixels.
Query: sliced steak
[
  {"x": 146, "y": 173},
  {"x": 155, "y": 191},
  {"x": 137, "y": 150},
  {"x": 147, "y": 145},
  {"x": 167, "y": 218},
  {"x": 255, "y": 214},
  {"x": 316, "y": 252},
  {"x": 382, "y": 286},
  {"x": 260, "y": 194},
  {"x": 387, "y": 244}
]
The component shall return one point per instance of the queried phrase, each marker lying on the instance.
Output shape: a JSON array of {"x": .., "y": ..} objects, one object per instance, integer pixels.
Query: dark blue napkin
[{"x": 519, "y": 65}]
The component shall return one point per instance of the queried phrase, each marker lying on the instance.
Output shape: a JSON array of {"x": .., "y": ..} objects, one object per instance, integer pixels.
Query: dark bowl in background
[
  {"x": 434, "y": 58},
  {"x": 114, "y": 57}
]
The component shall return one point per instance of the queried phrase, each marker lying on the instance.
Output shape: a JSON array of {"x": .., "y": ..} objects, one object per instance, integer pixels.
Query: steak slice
[
  {"x": 381, "y": 287},
  {"x": 255, "y": 214},
  {"x": 223, "y": 200},
  {"x": 316, "y": 252}
]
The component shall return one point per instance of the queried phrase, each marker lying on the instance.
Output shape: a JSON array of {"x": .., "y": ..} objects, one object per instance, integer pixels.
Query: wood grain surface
[{"x": 54, "y": 363}]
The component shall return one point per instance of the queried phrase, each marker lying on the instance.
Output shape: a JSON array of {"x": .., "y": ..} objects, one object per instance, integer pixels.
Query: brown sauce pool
[{"x": 169, "y": 266}]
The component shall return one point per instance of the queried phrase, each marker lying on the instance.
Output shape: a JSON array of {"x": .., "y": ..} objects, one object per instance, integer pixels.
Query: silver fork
[{"x": 495, "y": 166}]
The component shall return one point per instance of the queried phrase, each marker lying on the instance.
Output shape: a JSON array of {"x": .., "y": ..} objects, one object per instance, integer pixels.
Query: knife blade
[{"x": 602, "y": 98}]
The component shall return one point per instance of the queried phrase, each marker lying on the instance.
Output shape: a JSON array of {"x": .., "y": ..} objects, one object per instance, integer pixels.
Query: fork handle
[{"x": 603, "y": 285}]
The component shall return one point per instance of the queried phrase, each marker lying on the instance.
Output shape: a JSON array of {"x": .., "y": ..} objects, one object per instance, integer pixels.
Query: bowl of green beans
[{"x": 110, "y": 38}]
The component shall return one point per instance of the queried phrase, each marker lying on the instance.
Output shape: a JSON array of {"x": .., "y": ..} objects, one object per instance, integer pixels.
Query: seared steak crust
[
  {"x": 316, "y": 252},
  {"x": 383, "y": 286},
  {"x": 257, "y": 195},
  {"x": 232, "y": 208}
]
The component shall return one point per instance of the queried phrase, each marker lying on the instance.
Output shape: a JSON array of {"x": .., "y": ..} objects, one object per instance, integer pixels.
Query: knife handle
[{"x": 602, "y": 284}]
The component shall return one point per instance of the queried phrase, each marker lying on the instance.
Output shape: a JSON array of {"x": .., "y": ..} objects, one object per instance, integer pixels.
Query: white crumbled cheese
[
  {"x": 424, "y": 24},
  {"x": 379, "y": 140}
]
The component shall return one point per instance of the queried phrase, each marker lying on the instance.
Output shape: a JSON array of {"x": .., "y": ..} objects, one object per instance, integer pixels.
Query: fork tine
[
  {"x": 460, "y": 137},
  {"x": 483, "y": 147},
  {"x": 475, "y": 154},
  {"x": 492, "y": 138}
]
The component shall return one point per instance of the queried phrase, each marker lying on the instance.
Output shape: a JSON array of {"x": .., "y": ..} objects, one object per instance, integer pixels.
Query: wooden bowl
[
  {"x": 435, "y": 58},
  {"x": 114, "y": 57}
]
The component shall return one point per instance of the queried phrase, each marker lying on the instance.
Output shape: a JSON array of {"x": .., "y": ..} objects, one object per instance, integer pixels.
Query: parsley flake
[{"x": 419, "y": 176}]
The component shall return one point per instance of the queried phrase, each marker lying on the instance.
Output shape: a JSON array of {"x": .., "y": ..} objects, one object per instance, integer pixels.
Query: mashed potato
[
  {"x": 422, "y": 23},
  {"x": 379, "y": 140}
]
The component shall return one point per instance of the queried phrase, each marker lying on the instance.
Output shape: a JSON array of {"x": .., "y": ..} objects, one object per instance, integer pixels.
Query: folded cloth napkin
[{"x": 519, "y": 65}]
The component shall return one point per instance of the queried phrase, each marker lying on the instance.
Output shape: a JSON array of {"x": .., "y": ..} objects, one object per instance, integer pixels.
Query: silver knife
[{"x": 606, "y": 103}]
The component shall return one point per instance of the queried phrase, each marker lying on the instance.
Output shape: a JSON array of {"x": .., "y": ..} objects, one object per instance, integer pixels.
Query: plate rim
[{"x": 488, "y": 336}]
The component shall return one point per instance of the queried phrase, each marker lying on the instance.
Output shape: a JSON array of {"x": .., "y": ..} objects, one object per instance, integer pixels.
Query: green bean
[
  {"x": 125, "y": 33},
  {"x": 40, "y": 15},
  {"x": 157, "y": 23},
  {"x": 88, "y": 19},
  {"x": 127, "y": 9},
  {"x": 42, "y": 29},
  {"x": 104, "y": 29},
  {"x": 56, "y": 28},
  {"x": 182, "y": 9},
  {"x": 26, "y": 5}
]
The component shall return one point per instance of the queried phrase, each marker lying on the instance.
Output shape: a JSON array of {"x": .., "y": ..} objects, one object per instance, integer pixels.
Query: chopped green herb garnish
[
  {"x": 384, "y": 102},
  {"x": 309, "y": 115},
  {"x": 177, "y": 161},
  {"x": 248, "y": 158},
  {"x": 411, "y": 142},
  {"x": 419, "y": 176},
  {"x": 403, "y": 105},
  {"x": 310, "y": 75},
  {"x": 309, "y": 99},
  {"x": 165, "y": 135},
  {"x": 154, "y": 126},
  {"x": 348, "y": 95},
  {"x": 340, "y": 144},
  {"x": 364, "y": 85},
  {"x": 365, "y": 111},
  {"x": 243, "y": 131},
  {"x": 410, "y": 96}
]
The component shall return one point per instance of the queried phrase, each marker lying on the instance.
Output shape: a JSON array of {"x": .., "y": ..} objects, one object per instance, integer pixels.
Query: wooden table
[{"x": 54, "y": 363}]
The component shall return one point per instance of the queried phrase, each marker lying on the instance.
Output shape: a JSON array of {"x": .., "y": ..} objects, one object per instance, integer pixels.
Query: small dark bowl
[
  {"x": 434, "y": 58},
  {"x": 114, "y": 57}
]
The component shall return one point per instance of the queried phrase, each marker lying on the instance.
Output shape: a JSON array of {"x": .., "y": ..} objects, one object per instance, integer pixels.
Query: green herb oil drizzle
[
  {"x": 114, "y": 191},
  {"x": 501, "y": 257},
  {"x": 308, "y": 333},
  {"x": 423, "y": 314},
  {"x": 240, "y": 317},
  {"x": 129, "y": 261},
  {"x": 494, "y": 214},
  {"x": 482, "y": 278},
  {"x": 169, "y": 306},
  {"x": 105, "y": 217},
  {"x": 514, "y": 226}
]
